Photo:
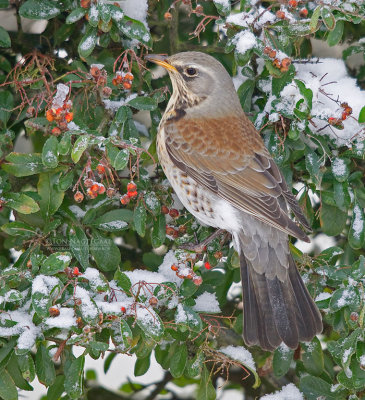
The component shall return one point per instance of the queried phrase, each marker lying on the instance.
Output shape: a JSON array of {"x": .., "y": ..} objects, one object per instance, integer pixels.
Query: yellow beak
[{"x": 160, "y": 60}]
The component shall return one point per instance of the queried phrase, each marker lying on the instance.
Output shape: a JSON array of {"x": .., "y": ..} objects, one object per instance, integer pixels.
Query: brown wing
[{"x": 227, "y": 156}]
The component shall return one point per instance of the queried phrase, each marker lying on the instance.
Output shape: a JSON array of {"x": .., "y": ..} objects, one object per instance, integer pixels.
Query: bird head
[{"x": 196, "y": 77}]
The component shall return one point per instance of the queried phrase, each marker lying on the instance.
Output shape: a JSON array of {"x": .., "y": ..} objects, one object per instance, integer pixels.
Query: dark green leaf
[
  {"x": 328, "y": 18},
  {"x": 105, "y": 252},
  {"x": 18, "y": 229},
  {"x": 314, "y": 388},
  {"x": 6, "y": 105},
  {"x": 206, "y": 389},
  {"x": 114, "y": 221},
  {"x": 121, "y": 159},
  {"x": 333, "y": 220},
  {"x": 74, "y": 377},
  {"x": 5, "y": 40},
  {"x": 55, "y": 263},
  {"x": 245, "y": 92},
  {"x": 312, "y": 357},
  {"x": 51, "y": 196},
  {"x": 76, "y": 15},
  {"x": 19, "y": 164},
  {"x": 57, "y": 388},
  {"x": 178, "y": 360},
  {"x": 79, "y": 246},
  {"x": 283, "y": 356},
  {"x": 87, "y": 45},
  {"x": 356, "y": 234},
  {"x": 159, "y": 231},
  {"x": 143, "y": 103},
  {"x": 335, "y": 35},
  {"x": 122, "y": 280},
  {"x": 44, "y": 366},
  {"x": 141, "y": 366},
  {"x": 79, "y": 147},
  {"x": 21, "y": 203},
  {"x": 140, "y": 217},
  {"x": 50, "y": 152},
  {"x": 8, "y": 389},
  {"x": 362, "y": 116}
]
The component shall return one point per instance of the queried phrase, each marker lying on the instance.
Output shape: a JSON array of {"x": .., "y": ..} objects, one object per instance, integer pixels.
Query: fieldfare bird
[{"x": 220, "y": 169}]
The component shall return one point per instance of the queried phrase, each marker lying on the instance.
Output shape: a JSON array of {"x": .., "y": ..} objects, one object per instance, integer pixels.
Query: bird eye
[{"x": 191, "y": 71}]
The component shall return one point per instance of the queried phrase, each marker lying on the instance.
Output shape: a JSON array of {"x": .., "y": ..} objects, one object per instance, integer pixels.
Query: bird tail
[{"x": 277, "y": 311}]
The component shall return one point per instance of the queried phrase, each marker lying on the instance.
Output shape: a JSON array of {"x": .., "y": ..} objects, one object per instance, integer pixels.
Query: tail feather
[{"x": 277, "y": 311}]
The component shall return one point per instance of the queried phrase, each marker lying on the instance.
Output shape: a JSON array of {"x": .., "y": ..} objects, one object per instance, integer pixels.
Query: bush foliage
[{"x": 90, "y": 228}]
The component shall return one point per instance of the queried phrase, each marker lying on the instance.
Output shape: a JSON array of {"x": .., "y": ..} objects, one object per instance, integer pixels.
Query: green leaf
[
  {"x": 340, "y": 169},
  {"x": 158, "y": 233},
  {"x": 6, "y": 105},
  {"x": 306, "y": 93},
  {"x": 140, "y": 217},
  {"x": 149, "y": 321},
  {"x": 5, "y": 40},
  {"x": 152, "y": 202},
  {"x": 79, "y": 147},
  {"x": 4, "y": 3},
  {"x": 353, "y": 378},
  {"x": 74, "y": 377},
  {"x": 93, "y": 15},
  {"x": 283, "y": 356},
  {"x": 18, "y": 229},
  {"x": 314, "y": 388},
  {"x": 314, "y": 19},
  {"x": 362, "y": 115},
  {"x": 185, "y": 315},
  {"x": 20, "y": 165},
  {"x": 16, "y": 374},
  {"x": 79, "y": 246},
  {"x": 245, "y": 92},
  {"x": 57, "y": 388},
  {"x": 133, "y": 29},
  {"x": 64, "y": 146},
  {"x": 313, "y": 164},
  {"x": 38, "y": 9},
  {"x": 345, "y": 297},
  {"x": 336, "y": 34},
  {"x": 178, "y": 360},
  {"x": 143, "y": 103},
  {"x": 51, "y": 196},
  {"x": 223, "y": 8},
  {"x": 21, "y": 203},
  {"x": 76, "y": 15},
  {"x": 142, "y": 365},
  {"x": 88, "y": 43},
  {"x": 55, "y": 263},
  {"x": 114, "y": 221},
  {"x": 44, "y": 366},
  {"x": 122, "y": 280},
  {"x": 206, "y": 389},
  {"x": 6, "y": 352},
  {"x": 328, "y": 18},
  {"x": 121, "y": 335},
  {"x": 194, "y": 366},
  {"x": 356, "y": 234},
  {"x": 332, "y": 219},
  {"x": 313, "y": 357},
  {"x": 105, "y": 252},
  {"x": 50, "y": 152},
  {"x": 8, "y": 389},
  {"x": 121, "y": 159}
]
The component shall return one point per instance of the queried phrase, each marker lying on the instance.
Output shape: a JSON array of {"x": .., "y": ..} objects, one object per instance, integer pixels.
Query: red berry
[
  {"x": 129, "y": 76},
  {"x": 198, "y": 280},
  {"x": 153, "y": 301},
  {"x": 56, "y": 131},
  {"x": 123, "y": 309},
  {"x": 167, "y": 16},
  {"x": 101, "y": 188},
  {"x": 303, "y": 13},
  {"x": 115, "y": 82},
  {"x": 207, "y": 265},
  {"x": 267, "y": 50},
  {"x": 91, "y": 194},
  {"x": 85, "y": 3},
  {"x": 293, "y": 3},
  {"x": 164, "y": 210},
  {"x": 101, "y": 169},
  {"x": 131, "y": 187},
  {"x": 127, "y": 85},
  {"x": 174, "y": 267},
  {"x": 69, "y": 116},
  {"x": 125, "y": 200},
  {"x": 54, "y": 311},
  {"x": 95, "y": 71},
  {"x": 88, "y": 182},
  {"x": 276, "y": 63},
  {"x": 107, "y": 91},
  {"x": 75, "y": 271},
  {"x": 344, "y": 115},
  {"x": 285, "y": 63},
  {"x": 173, "y": 213},
  {"x": 280, "y": 14},
  {"x": 95, "y": 187},
  {"x": 78, "y": 197},
  {"x": 29, "y": 264},
  {"x": 272, "y": 53},
  {"x": 132, "y": 194}
]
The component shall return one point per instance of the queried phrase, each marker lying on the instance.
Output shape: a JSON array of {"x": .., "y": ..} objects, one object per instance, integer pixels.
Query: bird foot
[{"x": 202, "y": 246}]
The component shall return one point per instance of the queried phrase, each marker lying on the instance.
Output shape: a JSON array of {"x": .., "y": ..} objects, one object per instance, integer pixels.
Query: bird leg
[{"x": 202, "y": 246}]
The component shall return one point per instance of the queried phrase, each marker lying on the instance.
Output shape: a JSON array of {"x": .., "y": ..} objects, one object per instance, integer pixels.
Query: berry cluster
[
  {"x": 337, "y": 122},
  {"x": 124, "y": 79},
  {"x": 283, "y": 65},
  {"x": 187, "y": 273},
  {"x": 92, "y": 186},
  {"x": 131, "y": 193},
  {"x": 62, "y": 116},
  {"x": 293, "y": 4}
]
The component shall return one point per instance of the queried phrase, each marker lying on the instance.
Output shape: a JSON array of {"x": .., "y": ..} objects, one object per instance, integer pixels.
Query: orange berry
[
  {"x": 131, "y": 187},
  {"x": 101, "y": 188},
  {"x": 170, "y": 231},
  {"x": 107, "y": 91},
  {"x": 92, "y": 194},
  {"x": 69, "y": 116},
  {"x": 30, "y": 111},
  {"x": 125, "y": 200},
  {"x": 78, "y": 196},
  {"x": 167, "y": 16},
  {"x": 344, "y": 115},
  {"x": 116, "y": 4},
  {"x": 272, "y": 53},
  {"x": 129, "y": 76},
  {"x": 267, "y": 50},
  {"x": 54, "y": 311},
  {"x": 62, "y": 125},
  {"x": 110, "y": 192},
  {"x": 127, "y": 85},
  {"x": 174, "y": 267},
  {"x": 303, "y": 13},
  {"x": 29, "y": 264},
  {"x": 293, "y": 3},
  {"x": 207, "y": 265},
  {"x": 164, "y": 210},
  {"x": 198, "y": 280},
  {"x": 132, "y": 194},
  {"x": 88, "y": 182},
  {"x": 67, "y": 106},
  {"x": 56, "y": 131},
  {"x": 276, "y": 63},
  {"x": 115, "y": 82},
  {"x": 95, "y": 188},
  {"x": 280, "y": 14},
  {"x": 218, "y": 255},
  {"x": 95, "y": 71},
  {"x": 153, "y": 301},
  {"x": 76, "y": 271},
  {"x": 85, "y": 3},
  {"x": 173, "y": 213},
  {"x": 182, "y": 229},
  {"x": 59, "y": 110},
  {"x": 101, "y": 169},
  {"x": 49, "y": 115},
  {"x": 285, "y": 63},
  {"x": 354, "y": 316}
]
